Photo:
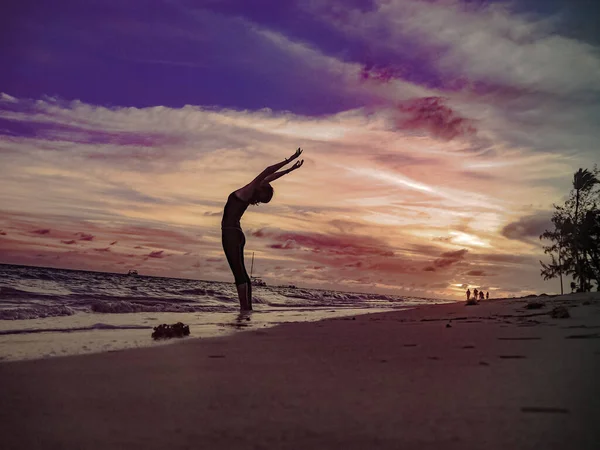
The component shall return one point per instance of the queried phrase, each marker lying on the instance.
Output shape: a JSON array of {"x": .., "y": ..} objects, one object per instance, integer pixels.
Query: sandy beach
[{"x": 490, "y": 376}]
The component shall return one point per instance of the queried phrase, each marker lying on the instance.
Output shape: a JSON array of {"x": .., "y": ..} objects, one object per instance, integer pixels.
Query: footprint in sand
[
  {"x": 584, "y": 336},
  {"x": 468, "y": 346},
  {"x": 216, "y": 356},
  {"x": 541, "y": 409},
  {"x": 511, "y": 356},
  {"x": 410, "y": 345},
  {"x": 519, "y": 338}
]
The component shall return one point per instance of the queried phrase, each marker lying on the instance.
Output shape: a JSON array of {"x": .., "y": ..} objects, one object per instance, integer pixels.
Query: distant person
[
  {"x": 468, "y": 294},
  {"x": 487, "y": 295},
  {"x": 481, "y": 296},
  {"x": 257, "y": 191},
  {"x": 475, "y": 294}
]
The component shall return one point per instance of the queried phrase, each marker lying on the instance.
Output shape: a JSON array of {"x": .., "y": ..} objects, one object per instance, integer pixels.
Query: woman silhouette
[{"x": 257, "y": 191}]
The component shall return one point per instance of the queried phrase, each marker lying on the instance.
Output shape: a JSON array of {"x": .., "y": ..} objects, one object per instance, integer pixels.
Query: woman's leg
[{"x": 233, "y": 245}]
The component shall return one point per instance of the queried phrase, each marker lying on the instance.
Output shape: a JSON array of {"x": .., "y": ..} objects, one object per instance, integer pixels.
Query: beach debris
[
  {"x": 534, "y": 305},
  {"x": 165, "y": 331},
  {"x": 472, "y": 301},
  {"x": 448, "y": 325},
  {"x": 560, "y": 312}
]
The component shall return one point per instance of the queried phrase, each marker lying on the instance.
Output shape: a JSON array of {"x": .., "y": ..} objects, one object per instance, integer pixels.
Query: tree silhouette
[
  {"x": 575, "y": 240},
  {"x": 583, "y": 181}
]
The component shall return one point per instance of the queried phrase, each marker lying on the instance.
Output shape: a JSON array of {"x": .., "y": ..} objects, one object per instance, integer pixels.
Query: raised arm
[
  {"x": 277, "y": 175},
  {"x": 246, "y": 192}
]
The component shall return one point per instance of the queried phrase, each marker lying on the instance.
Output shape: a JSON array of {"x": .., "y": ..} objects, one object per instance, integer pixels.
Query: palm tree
[{"x": 583, "y": 180}]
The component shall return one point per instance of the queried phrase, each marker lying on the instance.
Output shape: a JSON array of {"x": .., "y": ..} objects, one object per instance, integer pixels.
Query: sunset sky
[{"x": 436, "y": 136}]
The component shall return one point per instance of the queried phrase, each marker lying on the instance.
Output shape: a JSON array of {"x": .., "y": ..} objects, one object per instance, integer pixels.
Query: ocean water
[{"x": 47, "y": 312}]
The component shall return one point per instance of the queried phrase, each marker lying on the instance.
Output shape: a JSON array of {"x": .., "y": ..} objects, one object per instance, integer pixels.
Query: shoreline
[
  {"x": 418, "y": 312},
  {"x": 494, "y": 375}
]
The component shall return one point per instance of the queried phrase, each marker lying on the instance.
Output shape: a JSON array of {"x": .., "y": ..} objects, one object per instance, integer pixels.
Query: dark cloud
[
  {"x": 429, "y": 269},
  {"x": 449, "y": 258},
  {"x": 114, "y": 242},
  {"x": 214, "y": 213},
  {"x": 85, "y": 236},
  {"x": 528, "y": 227},
  {"x": 477, "y": 273},
  {"x": 106, "y": 249},
  {"x": 356, "y": 264},
  {"x": 42, "y": 231},
  {"x": 458, "y": 254},
  {"x": 342, "y": 244},
  {"x": 432, "y": 115},
  {"x": 157, "y": 254},
  {"x": 71, "y": 242}
]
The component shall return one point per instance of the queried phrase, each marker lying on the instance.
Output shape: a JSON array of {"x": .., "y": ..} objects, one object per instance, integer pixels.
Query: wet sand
[{"x": 490, "y": 376}]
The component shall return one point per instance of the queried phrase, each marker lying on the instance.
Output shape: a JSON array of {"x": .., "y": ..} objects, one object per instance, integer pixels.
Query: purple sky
[{"x": 437, "y": 135}]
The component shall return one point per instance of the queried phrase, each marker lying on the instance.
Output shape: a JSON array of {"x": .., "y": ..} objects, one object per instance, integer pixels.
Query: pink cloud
[
  {"x": 71, "y": 242},
  {"x": 348, "y": 245},
  {"x": 432, "y": 115},
  {"x": 85, "y": 237},
  {"x": 42, "y": 231},
  {"x": 157, "y": 254},
  {"x": 379, "y": 74}
]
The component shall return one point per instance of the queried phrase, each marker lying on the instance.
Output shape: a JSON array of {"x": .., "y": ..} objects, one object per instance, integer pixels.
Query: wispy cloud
[{"x": 437, "y": 135}]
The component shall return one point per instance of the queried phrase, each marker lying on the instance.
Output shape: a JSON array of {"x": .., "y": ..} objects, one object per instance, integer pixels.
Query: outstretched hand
[
  {"x": 297, "y": 164},
  {"x": 296, "y": 155}
]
